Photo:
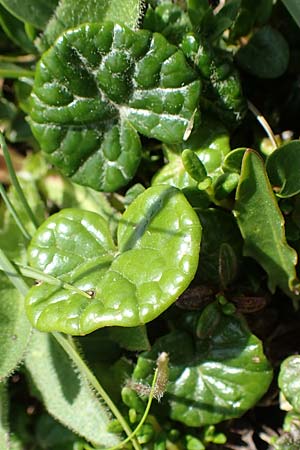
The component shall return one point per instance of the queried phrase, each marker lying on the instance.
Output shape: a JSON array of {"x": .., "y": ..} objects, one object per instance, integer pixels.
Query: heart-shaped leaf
[
  {"x": 216, "y": 378},
  {"x": 156, "y": 259},
  {"x": 283, "y": 169},
  {"x": 96, "y": 88}
]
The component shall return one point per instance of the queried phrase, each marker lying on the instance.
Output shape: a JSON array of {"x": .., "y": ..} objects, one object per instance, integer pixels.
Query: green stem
[
  {"x": 13, "y": 274},
  {"x": 15, "y": 181},
  {"x": 145, "y": 415},
  {"x": 70, "y": 349},
  {"x": 36, "y": 274},
  {"x": 14, "y": 213}
]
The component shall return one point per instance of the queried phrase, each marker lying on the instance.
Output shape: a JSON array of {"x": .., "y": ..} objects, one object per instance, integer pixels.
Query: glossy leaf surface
[
  {"x": 283, "y": 169},
  {"x": 14, "y": 327},
  {"x": 71, "y": 13},
  {"x": 262, "y": 225},
  {"x": 216, "y": 378},
  {"x": 289, "y": 381},
  {"x": 97, "y": 88},
  {"x": 65, "y": 393},
  {"x": 156, "y": 259},
  {"x": 35, "y": 12}
]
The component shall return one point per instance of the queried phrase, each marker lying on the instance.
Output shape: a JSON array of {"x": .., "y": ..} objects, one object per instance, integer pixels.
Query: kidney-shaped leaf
[
  {"x": 156, "y": 259},
  {"x": 96, "y": 88},
  {"x": 217, "y": 378},
  {"x": 283, "y": 167}
]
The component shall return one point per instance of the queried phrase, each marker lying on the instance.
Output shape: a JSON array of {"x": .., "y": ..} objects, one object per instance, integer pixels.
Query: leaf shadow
[{"x": 67, "y": 376}]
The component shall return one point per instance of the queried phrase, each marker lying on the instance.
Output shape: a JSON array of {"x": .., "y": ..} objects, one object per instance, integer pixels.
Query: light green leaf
[
  {"x": 11, "y": 70},
  {"x": 262, "y": 225},
  {"x": 283, "y": 167},
  {"x": 156, "y": 259},
  {"x": 4, "y": 428},
  {"x": 36, "y": 12},
  {"x": 71, "y": 13},
  {"x": 15, "y": 328},
  {"x": 213, "y": 379},
  {"x": 97, "y": 88},
  {"x": 289, "y": 381},
  {"x": 65, "y": 394}
]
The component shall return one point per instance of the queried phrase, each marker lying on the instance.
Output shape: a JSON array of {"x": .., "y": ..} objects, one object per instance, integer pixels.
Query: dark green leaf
[
  {"x": 293, "y": 7},
  {"x": 156, "y": 259},
  {"x": 233, "y": 161},
  {"x": 100, "y": 85},
  {"x": 223, "y": 376},
  {"x": 71, "y": 13},
  {"x": 283, "y": 167},
  {"x": 65, "y": 393},
  {"x": 262, "y": 225},
  {"x": 36, "y": 12},
  {"x": 133, "y": 339},
  {"x": 266, "y": 55},
  {"x": 14, "y": 29}
]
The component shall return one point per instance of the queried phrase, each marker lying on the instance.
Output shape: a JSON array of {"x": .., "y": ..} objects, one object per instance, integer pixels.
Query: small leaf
[
  {"x": 32, "y": 11},
  {"x": 216, "y": 378},
  {"x": 70, "y": 13},
  {"x": 156, "y": 259},
  {"x": 262, "y": 225},
  {"x": 283, "y": 169},
  {"x": 233, "y": 160},
  {"x": 227, "y": 264},
  {"x": 193, "y": 165},
  {"x": 289, "y": 381},
  {"x": 65, "y": 394},
  {"x": 15, "y": 328},
  {"x": 96, "y": 88},
  {"x": 266, "y": 55},
  {"x": 4, "y": 428}
]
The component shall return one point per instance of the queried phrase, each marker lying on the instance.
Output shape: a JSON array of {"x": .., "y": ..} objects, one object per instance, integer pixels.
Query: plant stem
[
  {"x": 261, "y": 119},
  {"x": 15, "y": 181},
  {"x": 146, "y": 412},
  {"x": 14, "y": 213},
  {"x": 13, "y": 274},
  {"x": 70, "y": 349}
]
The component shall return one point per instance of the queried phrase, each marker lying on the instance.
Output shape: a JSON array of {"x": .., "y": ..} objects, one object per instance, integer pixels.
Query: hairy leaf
[
  {"x": 262, "y": 225},
  {"x": 14, "y": 327},
  {"x": 66, "y": 395},
  {"x": 283, "y": 169},
  {"x": 36, "y": 12},
  {"x": 71, "y": 13},
  {"x": 156, "y": 259},
  {"x": 97, "y": 88},
  {"x": 4, "y": 428},
  {"x": 216, "y": 378}
]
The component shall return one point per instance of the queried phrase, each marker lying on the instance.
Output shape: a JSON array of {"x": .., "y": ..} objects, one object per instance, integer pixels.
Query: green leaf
[
  {"x": 283, "y": 169},
  {"x": 97, "y": 88},
  {"x": 14, "y": 29},
  {"x": 4, "y": 428},
  {"x": 216, "y": 378},
  {"x": 11, "y": 70},
  {"x": 71, "y": 13},
  {"x": 156, "y": 259},
  {"x": 15, "y": 327},
  {"x": 65, "y": 393},
  {"x": 266, "y": 55},
  {"x": 293, "y": 7},
  {"x": 262, "y": 225},
  {"x": 289, "y": 381},
  {"x": 36, "y": 12},
  {"x": 132, "y": 339}
]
